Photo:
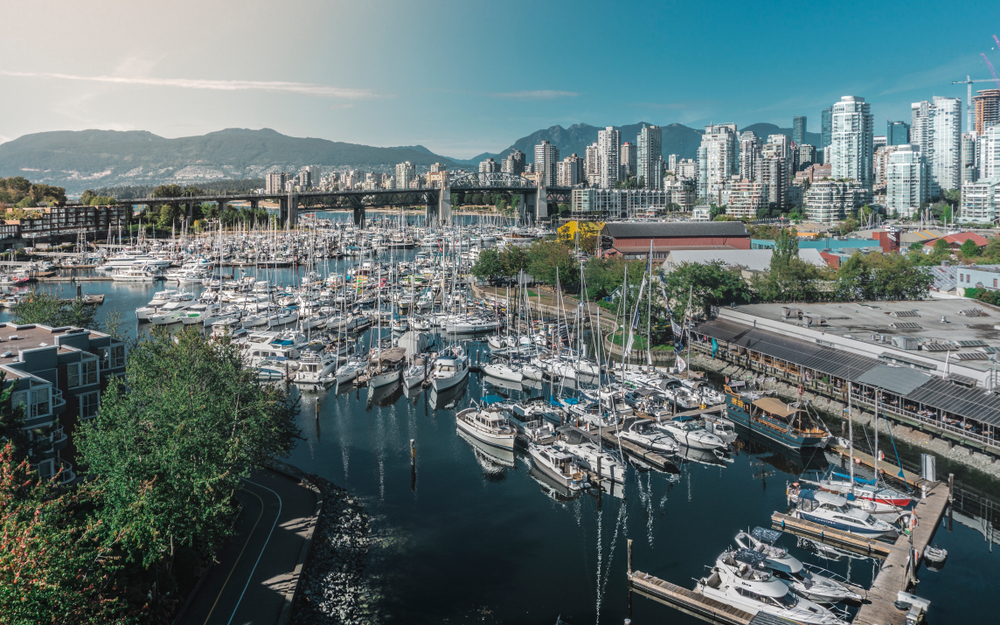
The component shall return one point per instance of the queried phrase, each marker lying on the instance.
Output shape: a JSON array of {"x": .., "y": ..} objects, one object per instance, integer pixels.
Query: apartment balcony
[
  {"x": 42, "y": 421},
  {"x": 49, "y": 470},
  {"x": 58, "y": 401}
]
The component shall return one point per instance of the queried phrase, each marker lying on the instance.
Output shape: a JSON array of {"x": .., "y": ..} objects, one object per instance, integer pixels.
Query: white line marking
[{"x": 254, "y": 569}]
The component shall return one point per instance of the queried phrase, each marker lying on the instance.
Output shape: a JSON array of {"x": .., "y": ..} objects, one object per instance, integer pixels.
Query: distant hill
[
  {"x": 90, "y": 159},
  {"x": 105, "y": 158}
]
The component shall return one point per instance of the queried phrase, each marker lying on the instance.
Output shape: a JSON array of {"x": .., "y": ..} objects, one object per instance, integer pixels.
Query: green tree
[
  {"x": 174, "y": 438},
  {"x": 44, "y": 308},
  {"x": 87, "y": 196},
  {"x": 711, "y": 284},
  {"x": 488, "y": 266},
  {"x": 168, "y": 190},
  {"x": 547, "y": 259},
  {"x": 880, "y": 276},
  {"x": 786, "y": 246},
  {"x": 970, "y": 249}
]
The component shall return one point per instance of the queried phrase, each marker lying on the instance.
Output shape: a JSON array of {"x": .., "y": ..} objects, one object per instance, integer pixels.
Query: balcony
[
  {"x": 58, "y": 401},
  {"x": 47, "y": 471}
]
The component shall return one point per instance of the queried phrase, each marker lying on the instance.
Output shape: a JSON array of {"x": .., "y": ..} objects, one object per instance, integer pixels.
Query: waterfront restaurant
[{"x": 945, "y": 387}]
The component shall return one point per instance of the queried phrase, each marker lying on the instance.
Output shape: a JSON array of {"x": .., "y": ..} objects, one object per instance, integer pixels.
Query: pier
[{"x": 688, "y": 601}]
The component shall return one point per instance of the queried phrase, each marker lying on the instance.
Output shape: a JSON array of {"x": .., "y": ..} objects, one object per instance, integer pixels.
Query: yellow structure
[{"x": 569, "y": 230}]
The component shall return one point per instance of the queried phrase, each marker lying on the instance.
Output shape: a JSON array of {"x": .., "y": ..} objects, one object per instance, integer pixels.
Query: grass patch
[{"x": 619, "y": 338}]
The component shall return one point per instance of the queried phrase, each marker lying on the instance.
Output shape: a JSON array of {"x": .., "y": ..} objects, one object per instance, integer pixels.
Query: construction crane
[
  {"x": 992, "y": 71},
  {"x": 968, "y": 100}
]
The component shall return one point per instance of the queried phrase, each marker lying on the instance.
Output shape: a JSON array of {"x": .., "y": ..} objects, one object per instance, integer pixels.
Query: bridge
[{"x": 533, "y": 205}]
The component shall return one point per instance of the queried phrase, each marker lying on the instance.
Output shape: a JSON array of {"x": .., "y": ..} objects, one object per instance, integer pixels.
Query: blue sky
[{"x": 464, "y": 77}]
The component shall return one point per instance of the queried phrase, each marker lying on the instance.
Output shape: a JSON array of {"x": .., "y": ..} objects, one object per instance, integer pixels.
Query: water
[{"x": 469, "y": 542}]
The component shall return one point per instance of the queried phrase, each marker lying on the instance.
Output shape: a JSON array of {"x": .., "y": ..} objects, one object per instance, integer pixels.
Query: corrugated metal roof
[
  {"x": 972, "y": 403},
  {"x": 899, "y": 380},
  {"x": 838, "y": 363},
  {"x": 666, "y": 229}
]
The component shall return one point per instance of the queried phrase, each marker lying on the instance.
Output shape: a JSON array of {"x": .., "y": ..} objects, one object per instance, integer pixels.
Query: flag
[{"x": 681, "y": 365}]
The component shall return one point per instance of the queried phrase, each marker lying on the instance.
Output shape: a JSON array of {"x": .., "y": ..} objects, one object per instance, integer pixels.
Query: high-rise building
[
  {"x": 514, "y": 163},
  {"x": 275, "y": 182},
  {"x": 749, "y": 155},
  {"x": 826, "y": 132},
  {"x": 906, "y": 181},
  {"x": 609, "y": 156},
  {"x": 970, "y": 162},
  {"x": 650, "y": 157},
  {"x": 880, "y": 166},
  {"x": 897, "y": 133},
  {"x": 672, "y": 162},
  {"x": 937, "y": 129},
  {"x": 405, "y": 174},
  {"x": 879, "y": 141},
  {"x": 774, "y": 171},
  {"x": 546, "y": 157},
  {"x": 304, "y": 179},
  {"x": 989, "y": 153},
  {"x": 687, "y": 169},
  {"x": 489, "y": 166},
  {"x": 807, "y": 156},
  {"x": 629, "y": 159},
  {"x": 745, "y": 198},
  {"x": 592, "y": 165},
  {"x": 570, "y": 171},
  {"x": 438, "y": 167},
  {"x": 851, "y": 140},
  {"x": 987, "y": 113},
  {"x": 717, "y": 160},
  {"x": 979, "y": 201},
  {"x": 798, "y": 130}
]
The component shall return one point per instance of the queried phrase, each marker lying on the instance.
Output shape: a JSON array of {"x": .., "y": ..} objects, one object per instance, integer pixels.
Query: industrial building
[{"x": 633, "y": 239}]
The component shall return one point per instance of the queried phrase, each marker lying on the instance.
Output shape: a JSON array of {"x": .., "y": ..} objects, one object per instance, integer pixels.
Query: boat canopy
[
  {"x": 765, "y": 535},
  {"x": 749, "y": 556},
  {"x": 774, "y": 406},
  {"x": 859, "y": 480},
  {"x": 489, "y": 400},
  {"x": 822, "y": 496}
]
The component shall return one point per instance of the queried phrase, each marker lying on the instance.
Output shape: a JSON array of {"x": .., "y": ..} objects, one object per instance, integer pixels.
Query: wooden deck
[{"x": 687, "y": 601}]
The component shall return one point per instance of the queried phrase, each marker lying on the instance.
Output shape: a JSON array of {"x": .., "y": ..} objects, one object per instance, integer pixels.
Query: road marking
[
  {"x": 245, "y": 543},
  {"x": 273, "y": 525}
]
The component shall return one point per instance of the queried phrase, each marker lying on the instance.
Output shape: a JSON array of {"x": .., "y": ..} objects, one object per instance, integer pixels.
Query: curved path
[{"x": 254, "y": 577}]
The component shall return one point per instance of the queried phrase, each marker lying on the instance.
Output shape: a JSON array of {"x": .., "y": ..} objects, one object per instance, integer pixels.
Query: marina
[{"x": 434, "y": 503}]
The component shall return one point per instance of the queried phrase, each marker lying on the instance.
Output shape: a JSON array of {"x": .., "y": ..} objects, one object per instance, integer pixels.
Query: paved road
[{"x": 252, "y": 580}]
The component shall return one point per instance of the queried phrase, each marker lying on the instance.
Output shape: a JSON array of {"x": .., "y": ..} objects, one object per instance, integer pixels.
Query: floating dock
[
  {"x": 688, "y": 601},
  {"x": 888, "y": 469},
  {"x": 827, "y": 535}
]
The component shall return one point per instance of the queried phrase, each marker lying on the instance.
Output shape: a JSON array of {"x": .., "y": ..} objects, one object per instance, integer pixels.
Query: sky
[{"x": 463, "y": 77}]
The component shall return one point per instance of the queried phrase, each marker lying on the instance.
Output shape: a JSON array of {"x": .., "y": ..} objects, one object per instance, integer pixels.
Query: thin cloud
[
  {"x": 325, "y": 91},
  {"x": 541, "y": 94},
  {"x": 4, "y": 139}
]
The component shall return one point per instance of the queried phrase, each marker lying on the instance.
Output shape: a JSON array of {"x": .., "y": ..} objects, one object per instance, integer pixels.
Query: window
[
  {"x": 89, "y": 374},
  {"x": 90, "y": 403},
  {"x": 73, "y": 375},
  {"x": 117, "y": 356},
  {"x": 41, "y": 404}
]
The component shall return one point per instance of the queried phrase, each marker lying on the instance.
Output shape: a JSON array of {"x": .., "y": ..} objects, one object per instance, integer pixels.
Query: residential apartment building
[
  {"x": 987, "y": 109},
  {"x": 717, "y": 160},
  {"x": 970, "y": 160},
  {"x": 745, "y": 198},
  {"x": 405, "y": 174},
  {"x": 749, "y": 157},
  {"x": 979, "y": 201},
  {"x": 989, "y": 153},
  {"x": 906, "y": 181},
  {"x": 851, "y": 140},
  {"x": 609, "y": 156},
  {"x": 807, "y": 155},
  {"x": 937, "y": 129},
  {"x": 514, "y": 163},
  {"x": 826, "y": 133},
  {"x": 686, "y": 169},
  {"x": 671, "y": 162},
  {"x": 59, "y": 375},
  {"x": 570, "y": 171},
  {"x": 592, "y": 165},
  {"x": 489, "y": 166},
  {"x": 775, "y": 171},
  {"x": 275, "y": 182},
  {"x": 628, "y": 162},
  {"x": 55, "y": 224},
  {"x": 828, "y": 201},
  {"x": 880, "y": 166},
  {"x": 683, "y": 193},
  {"x": 620, "y": 202},
  {"x": 649, "y": 157},
  {"x": 546, "y": 157}
]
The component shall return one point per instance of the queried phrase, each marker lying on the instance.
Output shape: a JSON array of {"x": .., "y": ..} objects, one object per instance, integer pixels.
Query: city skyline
[{"x": 235, "y": 69}]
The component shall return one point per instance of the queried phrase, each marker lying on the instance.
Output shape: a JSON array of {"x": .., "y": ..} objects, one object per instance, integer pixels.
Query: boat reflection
[
  {"x": 448, "y": 398},
  {"x": 504, "y": 384},
  {"x": 670, "y": 470},
  {"x": 493, "y": 460},
  {"x": 782, "y": 458},
  {"x": 386, "y": 395},
  {"x": 710, "y": 457}
]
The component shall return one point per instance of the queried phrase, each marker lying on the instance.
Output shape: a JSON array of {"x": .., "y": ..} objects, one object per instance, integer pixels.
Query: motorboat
[
  {"x": 721, "y": 427},
  {"x": 815, "y": 586},
  {"x": 643, "y": 434},
  {"x": 317, "y": 368},
  {"x": 350, "y": 369},
  {"x": 590, "y": 455},
  {"x": 173, "y": 311},
  {"x": 558, "y": 465},
  {"x": 136, "y": 275},
  {"x": 450, "y": 368},
  {"x": 739, "y": 580},
  {"x": 825, "y": 508},
  {"x": 690, "y": 432},
  {"x": 488, "y": 424}
]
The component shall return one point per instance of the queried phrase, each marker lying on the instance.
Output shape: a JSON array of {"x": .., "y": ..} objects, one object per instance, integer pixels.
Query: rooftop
[
  {"x": 666, "y": 229},
  {"x": 966, "y": 329},
  {"x": 14, "y": 338}
]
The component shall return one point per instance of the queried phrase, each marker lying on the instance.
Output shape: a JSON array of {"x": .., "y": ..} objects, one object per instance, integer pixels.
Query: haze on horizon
[{"x": 466, "y": 77}]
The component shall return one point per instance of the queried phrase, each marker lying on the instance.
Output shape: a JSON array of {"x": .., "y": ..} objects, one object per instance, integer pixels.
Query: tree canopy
[
  {"x": 42, "y": 307},
  {"x": 709, "y": 284}
]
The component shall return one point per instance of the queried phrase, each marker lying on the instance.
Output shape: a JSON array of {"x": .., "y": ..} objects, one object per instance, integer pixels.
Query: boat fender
[{"x": 881, "y": 456}]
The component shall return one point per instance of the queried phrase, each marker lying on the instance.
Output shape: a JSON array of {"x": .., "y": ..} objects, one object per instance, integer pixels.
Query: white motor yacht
[
  {"x": 739, "y": 581},
  {"x": 387, "y": 367},
  {"x": 591, "y": 457},
  {"x": 317, "y": 368},
  {"x": 350, "y": 369},
  {"x": 450, "y": 368},
  {"x": 643, "y": 434},
  {"x": 487, "y": 424},
  {"x": 789, "y": 569},
  {"x": 689, "y": 431},
  {"x": 172, "y": 311},
  {"x": 558, "y": 465},
  {"x": 503, "y": 371},
  {"x": 832, "y": 511}
]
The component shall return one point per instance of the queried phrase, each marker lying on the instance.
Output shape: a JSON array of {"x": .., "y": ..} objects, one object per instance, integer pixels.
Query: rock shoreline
[{"x": 334, "y": 587}]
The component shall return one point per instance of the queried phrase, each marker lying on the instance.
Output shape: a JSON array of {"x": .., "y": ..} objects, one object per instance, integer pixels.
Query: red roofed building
[
  {"x": 955, "y": 241},
  {"x": 632, "y": 239}
]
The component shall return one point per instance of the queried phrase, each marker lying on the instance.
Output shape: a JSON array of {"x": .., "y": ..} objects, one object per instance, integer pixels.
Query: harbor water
[{"x": 475, "y": 536}]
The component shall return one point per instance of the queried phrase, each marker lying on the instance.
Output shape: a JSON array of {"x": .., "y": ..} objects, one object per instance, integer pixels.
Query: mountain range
[{"x": 79, "y": 160}]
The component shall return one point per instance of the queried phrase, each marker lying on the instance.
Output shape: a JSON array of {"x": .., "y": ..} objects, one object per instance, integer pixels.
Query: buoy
[
  {"x": 857, "y": 461},
  {"x": 881, "y": 456}
]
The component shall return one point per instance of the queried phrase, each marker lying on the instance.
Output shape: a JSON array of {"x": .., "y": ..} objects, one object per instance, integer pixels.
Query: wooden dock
[
  {"x": 687, "y": 601},
  {"x": 899, "y": 569},
  {"x": 829, "y": 536},
  {"x": 608, "y": 437}
]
